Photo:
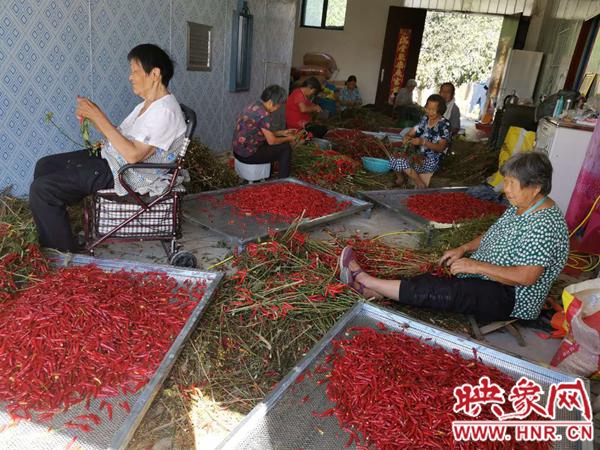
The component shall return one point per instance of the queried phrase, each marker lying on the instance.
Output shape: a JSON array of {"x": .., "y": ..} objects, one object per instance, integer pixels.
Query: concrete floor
[{"x": 210, "y": 248}]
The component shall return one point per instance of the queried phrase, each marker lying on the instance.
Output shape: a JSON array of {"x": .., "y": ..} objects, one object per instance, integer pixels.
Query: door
[{"x": 401, "y": 49}]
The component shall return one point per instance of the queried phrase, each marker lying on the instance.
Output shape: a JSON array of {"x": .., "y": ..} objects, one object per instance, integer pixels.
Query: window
[
  {"x": 241, "y": 49},
  {"x": 198, "y": 54},
  {"x": 329, "y": 14}
]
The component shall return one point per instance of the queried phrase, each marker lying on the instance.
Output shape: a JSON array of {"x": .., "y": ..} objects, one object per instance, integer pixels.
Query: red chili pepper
[
  {"x": 391, "y": 390},
  {"x": 92, "y": 417},
  {"x": 452, "y": 207},
  {"x": 125, "y": 406},
  {"x": 82, "y": 426},
  {"x": 71, "y": 443}
]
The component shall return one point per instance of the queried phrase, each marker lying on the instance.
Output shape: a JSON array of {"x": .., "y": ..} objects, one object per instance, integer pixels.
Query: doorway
[
  {"x": 461, "y": 49},
  {"x": 401, "y": 48}
]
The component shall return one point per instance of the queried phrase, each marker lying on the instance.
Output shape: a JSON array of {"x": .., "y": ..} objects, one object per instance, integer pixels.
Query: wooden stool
[{"x": 510, "y": 326}]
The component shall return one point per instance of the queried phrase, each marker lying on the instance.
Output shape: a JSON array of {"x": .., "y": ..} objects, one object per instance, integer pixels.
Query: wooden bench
[{"x": 509, "y": 325}]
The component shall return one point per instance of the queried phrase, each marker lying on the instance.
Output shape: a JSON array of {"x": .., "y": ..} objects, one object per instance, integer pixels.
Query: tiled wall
[{"x": 53, "y": 50}]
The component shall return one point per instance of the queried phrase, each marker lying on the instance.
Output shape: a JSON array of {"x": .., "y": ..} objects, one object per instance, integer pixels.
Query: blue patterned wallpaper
[{"x": 53, "y": 50}]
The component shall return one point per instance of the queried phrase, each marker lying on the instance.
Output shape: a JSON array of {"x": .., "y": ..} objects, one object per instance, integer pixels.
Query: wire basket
[{"x": 162, "y": 220}]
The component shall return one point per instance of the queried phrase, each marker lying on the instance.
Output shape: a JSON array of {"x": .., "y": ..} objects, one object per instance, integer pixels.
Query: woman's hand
[
  {"x": 450, "y": 256},
  {"x": 465, "y": 265},
  {"x": 417, "y": 141},
  {"x": 86, "y": 109}
]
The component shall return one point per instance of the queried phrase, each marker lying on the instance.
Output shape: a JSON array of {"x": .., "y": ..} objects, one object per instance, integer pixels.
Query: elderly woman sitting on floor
[
  {"x": 510, "y": 268},
  {"x": 432, "y": 134}
]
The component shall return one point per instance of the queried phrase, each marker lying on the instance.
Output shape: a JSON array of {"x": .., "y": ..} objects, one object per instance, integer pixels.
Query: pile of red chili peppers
[
  {"x": 356, "y": 144},
  {"x": 82, "y": 333},
  {"x": 286, "y": 201},
  {"x": 452, "y": 207},
  {"x": 394, "y": 391}
]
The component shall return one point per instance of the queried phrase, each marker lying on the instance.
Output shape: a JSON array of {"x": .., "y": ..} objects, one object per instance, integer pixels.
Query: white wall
[
  {"x": 356, "y": 49},
  {"x": 556, "y": 38}
]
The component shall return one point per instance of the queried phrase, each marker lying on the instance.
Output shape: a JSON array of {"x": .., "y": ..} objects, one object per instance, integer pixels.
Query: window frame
[{"x": 323, "y": 18}]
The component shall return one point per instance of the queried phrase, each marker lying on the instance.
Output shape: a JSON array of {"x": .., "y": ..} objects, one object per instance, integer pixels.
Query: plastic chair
[{"x": 109, "y": 217}]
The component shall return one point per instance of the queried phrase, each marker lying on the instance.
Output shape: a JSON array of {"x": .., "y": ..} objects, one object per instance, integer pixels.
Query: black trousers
[
  {"x": 487, "y": 300},
  {"x": 266, "y": 153},
  {"x": 59, "y": 181}
]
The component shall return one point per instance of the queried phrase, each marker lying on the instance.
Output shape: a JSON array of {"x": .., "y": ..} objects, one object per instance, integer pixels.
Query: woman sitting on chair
[
  {"x": 254, "y": 142},
  {"x": 510, "y": 268},
  {"x": 433, "y": 135},
  {"x": 147, "y": 135}
]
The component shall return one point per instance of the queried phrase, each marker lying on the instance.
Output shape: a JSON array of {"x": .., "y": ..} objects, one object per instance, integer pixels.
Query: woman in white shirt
[
  {"x": 148, "y": 134},
  {"x": 452, "y": 113}
]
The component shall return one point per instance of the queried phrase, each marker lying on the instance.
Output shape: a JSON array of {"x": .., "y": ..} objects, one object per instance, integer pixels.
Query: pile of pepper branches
[
  {"x": 468, "y": 163},
  {"x": 208, "y": 171},
  {"x": 283, "y": 297},
  {"x": 335, "y": 171},
  {"x": 20, "y": 257},
  {"x": 357, "y": 144},
  {"x": 361, "y": 119}
]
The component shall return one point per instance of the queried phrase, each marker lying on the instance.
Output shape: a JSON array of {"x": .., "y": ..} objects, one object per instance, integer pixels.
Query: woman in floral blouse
[
  {"x": 509, "y": 269},
  {"x": 433, "y": 135},
  {"x": 254, "y": 141}
]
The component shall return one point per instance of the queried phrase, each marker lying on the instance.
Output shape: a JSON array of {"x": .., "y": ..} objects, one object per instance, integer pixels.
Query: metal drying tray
[
  {"x": 284, "y": 421},
  {"x": 395, "y": 199},
  {"x": 240, "y": 231},
  {"x": 113, "y": 434}
]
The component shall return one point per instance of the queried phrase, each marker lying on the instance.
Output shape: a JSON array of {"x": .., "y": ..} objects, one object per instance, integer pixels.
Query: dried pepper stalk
[
  {"x": 20, "y": 258},
  {"x": 333, "y": 170},
  {"x": 356, "y": 144},
  {"x": 361, "y": 119},
  {"x": 391, "y": 390},
  {"x": 84, "y": 129},
  {"x": 82, "y": 333},
  {"x": 452, "y": 207}
]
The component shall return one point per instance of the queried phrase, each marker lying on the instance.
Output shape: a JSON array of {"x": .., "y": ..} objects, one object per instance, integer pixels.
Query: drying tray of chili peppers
[
  {"x": 299, "y": 412},
  {"x": 219, "y": 210},
  {"x": 122, "y": 321},
  {"x": 397, "y": 200}
]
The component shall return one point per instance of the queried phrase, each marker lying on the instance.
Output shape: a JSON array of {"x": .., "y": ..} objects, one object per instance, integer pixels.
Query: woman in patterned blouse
[
  {"x": 349, "y": 95},
  {"x": 433, "y": 135},
  {"x": 254, "y": 140},
  {"x": 510, "y": 268}
]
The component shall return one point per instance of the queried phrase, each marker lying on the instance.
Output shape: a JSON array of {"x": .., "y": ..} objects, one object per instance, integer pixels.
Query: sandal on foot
[{"x": 346, "y": 256}]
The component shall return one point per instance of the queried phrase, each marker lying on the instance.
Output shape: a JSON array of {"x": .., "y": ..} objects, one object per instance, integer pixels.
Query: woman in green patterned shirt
[{"x": 506, "y": 272}]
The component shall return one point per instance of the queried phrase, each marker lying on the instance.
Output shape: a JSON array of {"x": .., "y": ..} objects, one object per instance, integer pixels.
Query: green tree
[{"x": 456, "y": 47}]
